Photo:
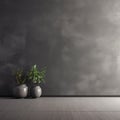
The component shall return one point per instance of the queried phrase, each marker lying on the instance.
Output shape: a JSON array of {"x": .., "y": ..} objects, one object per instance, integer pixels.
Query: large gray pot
[
  {"x": 20, "y": 91},
  {"x": 36, "y": 91}
]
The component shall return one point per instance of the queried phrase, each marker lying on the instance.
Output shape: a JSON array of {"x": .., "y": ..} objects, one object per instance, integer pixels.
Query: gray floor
[{"x": 60, "y": 108}]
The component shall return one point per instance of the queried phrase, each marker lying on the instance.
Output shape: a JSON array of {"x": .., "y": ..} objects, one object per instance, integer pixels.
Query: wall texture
[{"x": 78, "y": 41}]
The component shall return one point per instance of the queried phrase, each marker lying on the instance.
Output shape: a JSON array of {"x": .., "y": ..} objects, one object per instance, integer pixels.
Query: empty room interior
[{"x": 59, "y": 59}]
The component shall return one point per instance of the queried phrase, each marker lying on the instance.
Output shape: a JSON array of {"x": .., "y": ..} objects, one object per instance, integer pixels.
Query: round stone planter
[
  {"x": 36, "y": 91},
  {"x": 20, "y": 91}
]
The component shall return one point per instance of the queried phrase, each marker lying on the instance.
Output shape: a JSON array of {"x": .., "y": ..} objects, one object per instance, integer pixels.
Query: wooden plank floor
[{"x": 61, "y": 108}]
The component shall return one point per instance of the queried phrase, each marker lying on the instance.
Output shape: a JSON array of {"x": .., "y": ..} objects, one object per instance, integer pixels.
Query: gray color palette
[
  {"x": 72, "y": 108},
  {"x": 78, "y": 41}
]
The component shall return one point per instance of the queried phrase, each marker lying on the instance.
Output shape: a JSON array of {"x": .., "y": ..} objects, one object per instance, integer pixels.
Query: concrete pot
[
  {"x": 20, "y": 91},
  {"x": 36, "y": 91}
]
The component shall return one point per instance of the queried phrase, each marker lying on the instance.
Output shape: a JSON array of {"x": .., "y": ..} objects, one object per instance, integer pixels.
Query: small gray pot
[
  {"x": 36, "y": 91},
  {"x": 20, "y": 91}
]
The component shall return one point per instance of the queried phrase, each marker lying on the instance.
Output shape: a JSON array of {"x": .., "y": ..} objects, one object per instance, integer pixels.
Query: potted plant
[
  {"x": 21, "y": 90},
  {"x": 36, "y": 77}
]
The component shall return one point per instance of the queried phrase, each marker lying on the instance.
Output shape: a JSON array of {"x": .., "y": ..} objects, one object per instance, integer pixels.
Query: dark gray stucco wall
[{"x": 78, "y": 41}]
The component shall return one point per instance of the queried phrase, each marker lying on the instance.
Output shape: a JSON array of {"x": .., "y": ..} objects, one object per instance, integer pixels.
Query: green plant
[
  {"x": 36, "y": 76},
  {"x": 20, "y": 77}
]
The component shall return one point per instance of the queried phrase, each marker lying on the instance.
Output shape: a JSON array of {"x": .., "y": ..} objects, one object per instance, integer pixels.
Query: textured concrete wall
[{"x": 78, "y": 41}]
